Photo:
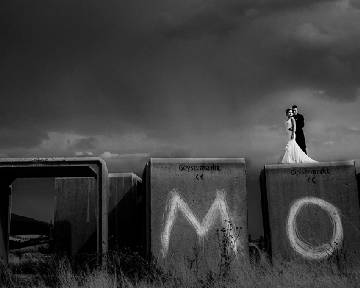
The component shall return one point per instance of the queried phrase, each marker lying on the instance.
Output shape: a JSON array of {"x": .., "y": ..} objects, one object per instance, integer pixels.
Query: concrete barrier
[
  {"x": 124, "y": 211},
  {"x": 197, "y": 210},
  {"x": 75, "y": 216},
  {"x": 311, "y": 211},
  {"x": 13, "y": 168}
]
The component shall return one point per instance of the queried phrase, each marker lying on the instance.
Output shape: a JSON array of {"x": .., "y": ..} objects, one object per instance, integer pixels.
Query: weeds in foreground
[{"x": 129, "y": 270}]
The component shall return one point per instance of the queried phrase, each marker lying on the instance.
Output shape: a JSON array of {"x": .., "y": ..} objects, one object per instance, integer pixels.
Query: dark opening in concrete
[
  {"x": 13, "y": 168},
  {"x": 32, "y": 213}
]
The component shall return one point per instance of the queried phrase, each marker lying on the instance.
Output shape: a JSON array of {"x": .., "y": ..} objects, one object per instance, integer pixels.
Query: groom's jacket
[{"x": 300, "y": 138}]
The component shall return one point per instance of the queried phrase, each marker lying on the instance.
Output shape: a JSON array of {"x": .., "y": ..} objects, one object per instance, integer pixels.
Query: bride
[{"x": 293, "y": 152}]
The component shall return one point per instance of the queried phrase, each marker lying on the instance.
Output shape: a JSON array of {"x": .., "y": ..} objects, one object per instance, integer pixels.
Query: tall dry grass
[{"x": 131, "y": 271}]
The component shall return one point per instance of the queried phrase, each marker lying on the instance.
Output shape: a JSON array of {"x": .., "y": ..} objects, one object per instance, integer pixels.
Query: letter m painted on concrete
[{"x": 219, "y": 208}]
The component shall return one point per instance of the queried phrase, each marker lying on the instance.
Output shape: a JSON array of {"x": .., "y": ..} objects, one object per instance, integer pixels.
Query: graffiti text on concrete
[
  {"x": 309, "y": 171},
  {"x": 301, "y": 246},
  {"x": 202, "y": 167},
  {"x": 219, "y": 208}
]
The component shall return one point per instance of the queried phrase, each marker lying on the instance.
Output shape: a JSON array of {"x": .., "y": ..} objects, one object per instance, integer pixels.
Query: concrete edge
[
  {"x": 125, "y": 174},
  {"x": 171, "y": 160},
  {"x": 4, "y": 162},
  {"x": 310, "y": 165}
]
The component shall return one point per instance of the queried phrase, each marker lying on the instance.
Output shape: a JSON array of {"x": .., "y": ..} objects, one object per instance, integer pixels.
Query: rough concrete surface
[
  {"x": 197, "y": 211},
  {"x": 75, "y": 215},
  {"x": 312, "y": 211}
]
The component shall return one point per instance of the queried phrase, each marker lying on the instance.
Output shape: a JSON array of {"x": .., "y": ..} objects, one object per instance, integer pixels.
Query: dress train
[{"x": 294, "y": 154}]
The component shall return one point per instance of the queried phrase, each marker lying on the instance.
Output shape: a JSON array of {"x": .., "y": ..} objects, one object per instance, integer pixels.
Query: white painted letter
[
  {"x": 305, "y": 249},
  {"x": 219, "y": 206}
]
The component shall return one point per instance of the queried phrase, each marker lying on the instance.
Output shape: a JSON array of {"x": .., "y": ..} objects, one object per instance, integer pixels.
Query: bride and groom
[{"x": 295, "y": 150}]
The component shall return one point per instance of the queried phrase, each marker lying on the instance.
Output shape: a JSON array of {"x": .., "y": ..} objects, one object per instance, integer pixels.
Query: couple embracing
[{"x": 295, "y": 150}]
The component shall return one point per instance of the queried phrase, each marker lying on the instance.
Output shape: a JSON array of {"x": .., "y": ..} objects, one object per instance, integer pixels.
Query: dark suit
[{"x": 300, "y": 138}]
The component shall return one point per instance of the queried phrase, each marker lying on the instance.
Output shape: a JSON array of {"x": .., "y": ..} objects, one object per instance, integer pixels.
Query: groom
[{"x": 300, "y": 138}]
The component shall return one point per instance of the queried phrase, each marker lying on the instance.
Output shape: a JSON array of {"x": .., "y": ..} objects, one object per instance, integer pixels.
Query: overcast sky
[{"x": 132, "y": 79}]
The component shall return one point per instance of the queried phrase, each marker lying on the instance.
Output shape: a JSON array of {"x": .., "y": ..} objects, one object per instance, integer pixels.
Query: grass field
[{"x": 129, "y": 270}]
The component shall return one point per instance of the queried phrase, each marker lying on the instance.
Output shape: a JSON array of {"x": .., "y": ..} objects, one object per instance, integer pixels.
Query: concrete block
[
  {"x": 197, "y": 210},
  {"x": 124, "y": 211},
  {"x": 13, "y": 168},
  {"x": 312, "y": 211},
  {"x": 75, "y": 216}
]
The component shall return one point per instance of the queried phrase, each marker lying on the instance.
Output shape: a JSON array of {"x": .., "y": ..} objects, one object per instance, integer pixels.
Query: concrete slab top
[
  {"x": 125, "y": 174},
  {"x": 196, "y": 160},
  {"x": 8, "y": 162},
  {"x": 310, "y": 165}
]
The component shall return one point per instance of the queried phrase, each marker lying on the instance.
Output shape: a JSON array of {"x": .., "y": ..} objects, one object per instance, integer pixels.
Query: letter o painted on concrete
[{"x": 306, "y": 249}]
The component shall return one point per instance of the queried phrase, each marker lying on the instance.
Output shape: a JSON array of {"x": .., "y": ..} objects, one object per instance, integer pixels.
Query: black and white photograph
[{"x": 167, "y": 143}]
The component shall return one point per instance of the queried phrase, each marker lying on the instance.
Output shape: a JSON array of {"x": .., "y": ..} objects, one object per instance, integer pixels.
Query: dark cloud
[
  {"x": 90, "y": 69},
  {"x": 322, "y": 70},
  {"x": 24, "y": 138},
  {"x": 222, "y": 17},
  {"x": 313, "y": 56},
  {"x": 355, "y": 3}
]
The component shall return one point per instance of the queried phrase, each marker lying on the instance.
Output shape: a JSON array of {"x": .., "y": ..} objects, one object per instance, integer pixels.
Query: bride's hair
[{"x": 287, "y": 110}]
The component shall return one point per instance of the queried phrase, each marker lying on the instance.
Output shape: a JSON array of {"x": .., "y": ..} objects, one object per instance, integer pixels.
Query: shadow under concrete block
[{"x": 125, "y": 212}]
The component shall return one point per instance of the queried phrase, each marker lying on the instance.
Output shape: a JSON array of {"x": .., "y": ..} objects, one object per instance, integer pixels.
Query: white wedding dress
[{"x": 293, "y": 152}]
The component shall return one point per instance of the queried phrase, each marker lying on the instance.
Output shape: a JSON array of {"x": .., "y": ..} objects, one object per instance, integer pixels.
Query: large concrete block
[
  {"x": 124, "y": 211},
  {"x": 312, "y": 211},
  {"x": 76, "y": 215},
  {"x": 13, "y": 168},
  {"x": 197, "y": 210}
]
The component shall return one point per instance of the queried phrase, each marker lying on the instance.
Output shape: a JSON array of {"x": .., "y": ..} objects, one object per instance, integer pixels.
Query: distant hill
[{"x": 21, "y": 225}]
